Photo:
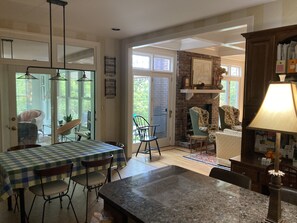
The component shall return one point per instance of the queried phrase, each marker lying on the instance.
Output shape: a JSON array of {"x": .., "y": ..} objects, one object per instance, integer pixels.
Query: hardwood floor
[{"x": 136, "y": 165}]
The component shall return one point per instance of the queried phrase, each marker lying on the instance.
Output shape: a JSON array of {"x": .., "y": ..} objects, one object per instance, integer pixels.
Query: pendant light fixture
[
  {"x": 84, "y": 77},
  {"x": 27, "y": 76},
  {"x": 58, "y": 77}
]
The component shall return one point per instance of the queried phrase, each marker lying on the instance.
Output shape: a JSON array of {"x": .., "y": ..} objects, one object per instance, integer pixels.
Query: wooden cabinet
[
  {"x": 251, "y": 167},
  {"x": 261, "y": 50},
  {"x": 261, "y": 56}
]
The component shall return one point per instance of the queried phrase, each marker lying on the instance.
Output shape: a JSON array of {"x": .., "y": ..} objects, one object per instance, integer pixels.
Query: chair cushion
[
  {"x": 29, "y": 115},
  {"x": 50, "y": 188},
  {"x": 94, "y": 178}
]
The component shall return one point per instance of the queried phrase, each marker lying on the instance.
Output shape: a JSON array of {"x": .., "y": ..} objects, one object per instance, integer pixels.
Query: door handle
[
  {"x": 170, "y": 113},
  {"x": 13, "y": 128}
]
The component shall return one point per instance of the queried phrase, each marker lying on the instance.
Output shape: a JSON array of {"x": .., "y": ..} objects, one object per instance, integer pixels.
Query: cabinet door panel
[{"x": 259, "y": 69}]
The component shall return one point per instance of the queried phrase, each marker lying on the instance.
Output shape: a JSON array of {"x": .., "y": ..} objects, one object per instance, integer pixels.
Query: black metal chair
[
  {"x": 146, "y": 133},
  {"x": 231, "y": 177},
  {"x": 54, "y": 189},
  {"x": 121, "y": 145},
  {"x": 93, "y": 179},
  {"x": 289, "y": 195}
]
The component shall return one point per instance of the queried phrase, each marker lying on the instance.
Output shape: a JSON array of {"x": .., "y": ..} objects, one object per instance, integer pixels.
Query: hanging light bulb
[
  {"x": 58, "y": 77},
  {"x": 27, "y": 76},
  {"x": 84, "y": 77}
]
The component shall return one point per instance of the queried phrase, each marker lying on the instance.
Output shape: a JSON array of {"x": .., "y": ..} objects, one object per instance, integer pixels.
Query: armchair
[
  {"x": 200, "y": 123},
  {"x": 32, "y": 116},
  {"x": 229, "y": 118},
  {"x": 27, "y": 133}
]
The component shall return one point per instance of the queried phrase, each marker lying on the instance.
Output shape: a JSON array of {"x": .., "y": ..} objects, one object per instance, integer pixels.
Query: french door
[
  {"x": 49, "y": 102},
  {"x": 151, "y": 100}
]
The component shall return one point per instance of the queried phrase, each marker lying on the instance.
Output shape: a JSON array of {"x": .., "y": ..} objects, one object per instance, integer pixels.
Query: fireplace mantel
[{"x": 190, "y": 92}]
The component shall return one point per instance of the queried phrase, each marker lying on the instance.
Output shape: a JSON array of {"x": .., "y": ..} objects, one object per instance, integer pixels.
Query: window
[
  {"x": 231, "y": 83},
  {"x": 76, "y": 54},
  {"x": 160, "y": 63},
  {"x": 75, "y": 97},
  {"x": 141, "y": 62},
  {"x": 18, "y": 49}
]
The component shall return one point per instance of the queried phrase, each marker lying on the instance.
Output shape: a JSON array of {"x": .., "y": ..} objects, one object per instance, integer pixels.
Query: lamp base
[
  {"x": 271, "y": 221},
  {"x": 274, "y": 210}
]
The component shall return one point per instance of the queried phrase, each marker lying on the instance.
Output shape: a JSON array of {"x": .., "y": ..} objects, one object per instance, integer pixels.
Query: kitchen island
[{"x": 174, "y": 194}]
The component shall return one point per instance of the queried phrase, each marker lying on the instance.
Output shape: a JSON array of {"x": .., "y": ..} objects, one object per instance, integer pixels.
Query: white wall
[{"x": 275, "y": 14}]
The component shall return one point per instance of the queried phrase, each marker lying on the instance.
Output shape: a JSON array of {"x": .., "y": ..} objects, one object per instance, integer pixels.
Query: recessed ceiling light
[{"x": 115, "y": 29}]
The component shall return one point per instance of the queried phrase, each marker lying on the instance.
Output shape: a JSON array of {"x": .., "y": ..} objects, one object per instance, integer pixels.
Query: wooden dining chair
[
  {"x": 56, "y": 189},
  {"x": 93, "y": 179},
  {"x": 231, "y": 177}
]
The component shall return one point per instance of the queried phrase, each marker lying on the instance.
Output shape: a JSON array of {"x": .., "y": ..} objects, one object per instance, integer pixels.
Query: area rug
[{"x": 207, "y": 158}]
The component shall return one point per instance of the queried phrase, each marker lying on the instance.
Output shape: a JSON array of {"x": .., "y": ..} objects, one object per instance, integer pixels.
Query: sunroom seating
[{"x": 32, "y": 116}]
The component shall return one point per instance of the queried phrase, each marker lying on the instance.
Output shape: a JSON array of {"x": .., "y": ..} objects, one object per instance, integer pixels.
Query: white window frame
[{"x": 240, "y": 79}]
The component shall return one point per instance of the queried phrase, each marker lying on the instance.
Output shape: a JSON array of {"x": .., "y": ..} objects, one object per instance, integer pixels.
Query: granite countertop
[{"x": 173, "y": 194}]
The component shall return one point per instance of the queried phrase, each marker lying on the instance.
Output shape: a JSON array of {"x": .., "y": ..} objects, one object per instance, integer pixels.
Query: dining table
[
  {"x": 17, "y": 167},
  {"x": 175, "y": 194}
]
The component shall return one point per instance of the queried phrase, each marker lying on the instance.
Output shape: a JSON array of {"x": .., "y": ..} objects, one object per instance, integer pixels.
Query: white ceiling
[
  {"x": 135, "y": 17},
  {"x": 226, "y": 43}
]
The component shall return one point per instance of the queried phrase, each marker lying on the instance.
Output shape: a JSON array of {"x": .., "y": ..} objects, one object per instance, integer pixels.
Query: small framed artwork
[
  {"x": 110, "y": 88},
  {"x": 110, "y": 66}
]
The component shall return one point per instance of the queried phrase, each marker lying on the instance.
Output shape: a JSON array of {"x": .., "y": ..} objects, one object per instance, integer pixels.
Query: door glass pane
[
  {"x": 141, "y": 100},
  {"x": 76, "y": 99},
  {"x": 33, "y": 103},
  {"x": 234, "y": 93},
  {"x": 160, "y": 105}
]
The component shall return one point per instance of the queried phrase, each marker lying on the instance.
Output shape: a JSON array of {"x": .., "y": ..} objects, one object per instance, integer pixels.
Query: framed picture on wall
[
  {"x": 110, "y": 88},
  {"x": 201, "y": 72},
  {"x": 110, "y": 66}
]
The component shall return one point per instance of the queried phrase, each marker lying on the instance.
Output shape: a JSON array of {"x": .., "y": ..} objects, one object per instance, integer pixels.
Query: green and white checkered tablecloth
[{"x": 17, "y": 167}]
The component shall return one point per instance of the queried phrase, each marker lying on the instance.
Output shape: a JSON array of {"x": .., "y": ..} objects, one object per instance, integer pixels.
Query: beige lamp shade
[{"x": 278, "y": 110}]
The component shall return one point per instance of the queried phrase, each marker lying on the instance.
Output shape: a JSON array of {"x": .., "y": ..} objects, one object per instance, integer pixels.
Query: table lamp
[{"x": 278, "y": 113}]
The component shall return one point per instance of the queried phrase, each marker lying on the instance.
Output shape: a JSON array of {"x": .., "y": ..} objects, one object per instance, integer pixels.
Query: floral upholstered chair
[
  {"x": 200, "y": 123},
  {"x": 229, "y": 118}
]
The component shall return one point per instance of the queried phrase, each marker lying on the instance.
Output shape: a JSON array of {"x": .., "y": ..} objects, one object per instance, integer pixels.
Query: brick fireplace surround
[{"x": 184, "y": 61}]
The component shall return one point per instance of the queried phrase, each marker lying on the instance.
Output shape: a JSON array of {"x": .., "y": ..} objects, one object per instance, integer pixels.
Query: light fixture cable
[{"x": 58, "y": 77}]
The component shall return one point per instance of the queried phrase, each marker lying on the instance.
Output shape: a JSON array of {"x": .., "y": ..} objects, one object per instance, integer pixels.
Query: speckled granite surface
[{"x": 173, "y": 194}]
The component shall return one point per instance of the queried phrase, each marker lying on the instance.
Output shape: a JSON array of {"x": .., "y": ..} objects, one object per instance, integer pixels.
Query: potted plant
[{"x": 67, "y": 118}]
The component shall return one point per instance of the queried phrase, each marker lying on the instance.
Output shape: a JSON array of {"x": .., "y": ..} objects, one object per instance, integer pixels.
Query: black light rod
[
  {"x": 56, "y": 68},
  {"x": 58, "y": 2}
]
